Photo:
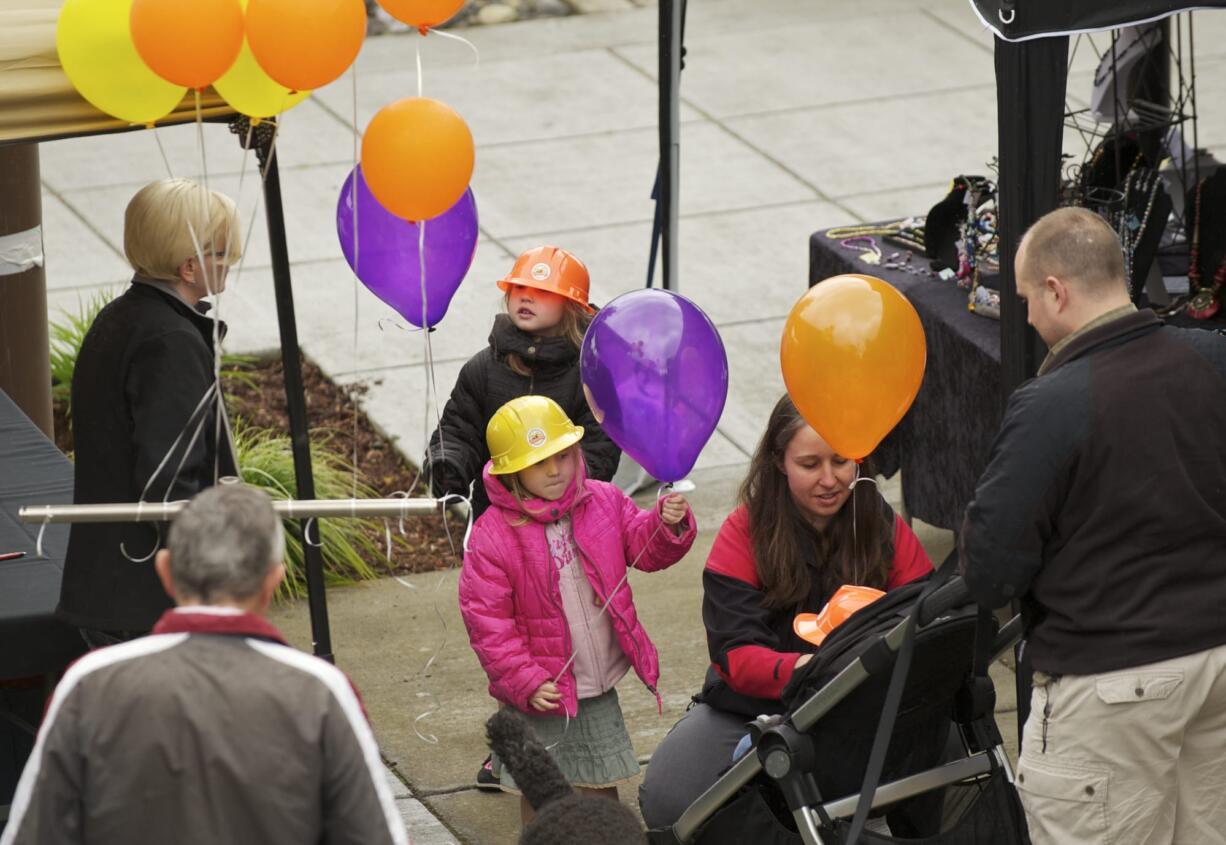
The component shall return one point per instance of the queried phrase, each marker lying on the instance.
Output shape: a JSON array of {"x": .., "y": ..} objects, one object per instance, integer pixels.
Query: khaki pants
[{"x": 1135, "y": 756}]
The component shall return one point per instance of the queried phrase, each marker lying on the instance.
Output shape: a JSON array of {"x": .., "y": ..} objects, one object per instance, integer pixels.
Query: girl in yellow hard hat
[
  {"x": 533, "y": 349},
  {"x": 544, "y": 596}
]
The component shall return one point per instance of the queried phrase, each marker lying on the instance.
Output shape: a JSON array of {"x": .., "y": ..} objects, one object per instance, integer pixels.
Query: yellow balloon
[
  {"x": 96, "y": 51},
  {"x": 251, "y": 91}
]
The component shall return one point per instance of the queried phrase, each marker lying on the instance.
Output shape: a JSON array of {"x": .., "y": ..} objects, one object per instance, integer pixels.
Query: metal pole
[
  {"x": 671, "y": 25},
  {"x": 284, "y": 508},
  {"x": 25, "y": 358},
  {"x": 295, "y": 399}
]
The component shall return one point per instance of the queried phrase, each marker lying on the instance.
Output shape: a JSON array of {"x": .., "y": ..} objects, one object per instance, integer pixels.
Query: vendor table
[{"x": 34, "y": 645}]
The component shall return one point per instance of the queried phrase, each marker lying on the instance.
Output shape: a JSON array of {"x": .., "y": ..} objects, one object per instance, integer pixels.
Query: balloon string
[
  {"x": 242, "y": 171},
  {"x": 166, "y": 161},
  {"x": 417, "y": 49},
  {"x": 855, "y": 537},
  {"x": 462, "y": 40},
  {"x": 353, "y": 77}
]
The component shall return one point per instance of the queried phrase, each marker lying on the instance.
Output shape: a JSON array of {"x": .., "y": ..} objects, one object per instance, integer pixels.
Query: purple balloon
[
  {"x": 387, "y": 261},
  {"x": 656, "y": 375}
]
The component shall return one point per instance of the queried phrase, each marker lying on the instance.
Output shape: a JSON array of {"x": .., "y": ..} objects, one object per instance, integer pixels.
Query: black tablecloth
[
  {"x": 32, "y": 472},
  {"x": 942, "y": 444}
]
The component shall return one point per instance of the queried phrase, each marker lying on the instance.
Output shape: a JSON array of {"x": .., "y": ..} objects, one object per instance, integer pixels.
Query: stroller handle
[{"x": 948, "y": 596}]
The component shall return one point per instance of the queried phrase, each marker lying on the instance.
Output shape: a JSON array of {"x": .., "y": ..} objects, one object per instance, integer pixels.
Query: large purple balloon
[
  {"x": 386, "y": 249},
  {"x": 656, "y": 374}
]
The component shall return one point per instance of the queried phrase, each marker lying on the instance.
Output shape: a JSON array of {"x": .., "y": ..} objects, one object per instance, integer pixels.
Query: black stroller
[{"x": 867, "y": 731}]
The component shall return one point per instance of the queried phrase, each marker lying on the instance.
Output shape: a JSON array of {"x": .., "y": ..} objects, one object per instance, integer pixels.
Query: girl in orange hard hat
[{"x": 533, "y": 349}]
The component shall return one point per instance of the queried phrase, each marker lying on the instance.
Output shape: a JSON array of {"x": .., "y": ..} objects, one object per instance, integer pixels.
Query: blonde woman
[{"x": 141, "y": 380}]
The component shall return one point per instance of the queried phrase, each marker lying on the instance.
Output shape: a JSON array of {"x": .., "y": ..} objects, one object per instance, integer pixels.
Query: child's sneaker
[{"x": 486, "y": 777}]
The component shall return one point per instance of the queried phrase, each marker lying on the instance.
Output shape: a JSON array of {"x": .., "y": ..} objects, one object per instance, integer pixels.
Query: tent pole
[
  {"x": 671, "y": 24},
  {"x": 1030, "y": 85},
  {"x": 25, "y": 362},
  {"x": 295, "y": 394}
]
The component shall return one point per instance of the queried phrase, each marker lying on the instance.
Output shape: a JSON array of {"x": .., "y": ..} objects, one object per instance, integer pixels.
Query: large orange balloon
[
  {"x": 422, "y": 13},
  {"x": 853, "y": 357},
  {"x": 190, "y": 44},
  {"x": 305, "y": 44},
  {"x": 417, "y": 157}
]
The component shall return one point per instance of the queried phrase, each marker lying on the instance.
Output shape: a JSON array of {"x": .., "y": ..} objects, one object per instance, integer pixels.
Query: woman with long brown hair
[{"x": 805, "y": 525}]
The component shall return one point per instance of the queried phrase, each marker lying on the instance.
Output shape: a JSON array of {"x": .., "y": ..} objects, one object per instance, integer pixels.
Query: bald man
[{"x": 1103, "y": 508}]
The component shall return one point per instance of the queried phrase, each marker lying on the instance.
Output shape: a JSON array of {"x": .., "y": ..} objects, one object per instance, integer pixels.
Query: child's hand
[
  {"x": 673, "y": 509},
  {"x": 546, "y": 697}
]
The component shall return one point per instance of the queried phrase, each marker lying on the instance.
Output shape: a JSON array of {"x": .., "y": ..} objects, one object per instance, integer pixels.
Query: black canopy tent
[{"x": 1032, "y": 41}]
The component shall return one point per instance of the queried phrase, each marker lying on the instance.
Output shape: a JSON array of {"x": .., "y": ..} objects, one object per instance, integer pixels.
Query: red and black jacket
[{"x": 754, "y": 649}]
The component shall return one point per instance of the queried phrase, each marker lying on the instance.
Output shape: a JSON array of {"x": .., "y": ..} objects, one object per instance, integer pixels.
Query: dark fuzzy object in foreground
[{"x": 563, "y": 817}]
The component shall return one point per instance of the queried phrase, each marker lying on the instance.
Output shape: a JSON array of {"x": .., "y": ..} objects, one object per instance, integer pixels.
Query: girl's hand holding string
[
  {"x": 673, "y": 509},
  {"x": 546, "y": 697}
]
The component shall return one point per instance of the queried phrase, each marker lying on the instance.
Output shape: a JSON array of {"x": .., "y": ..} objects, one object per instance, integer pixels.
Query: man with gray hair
[
  {"x": 1103, "y": 509},
  {"x": 212, "y": 729}
]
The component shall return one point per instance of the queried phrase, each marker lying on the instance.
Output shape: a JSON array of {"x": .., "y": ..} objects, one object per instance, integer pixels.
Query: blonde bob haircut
[{"x": 162, "y": 218}]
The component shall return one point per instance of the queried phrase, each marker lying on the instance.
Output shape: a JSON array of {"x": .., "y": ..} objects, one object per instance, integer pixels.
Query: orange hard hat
[
  {"x": 847, "y": 599},
  {"x": 553, "y": 269}
]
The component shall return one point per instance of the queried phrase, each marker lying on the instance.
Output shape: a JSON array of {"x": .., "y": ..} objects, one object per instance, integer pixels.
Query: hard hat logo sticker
[
  {"x": 537, "y": 437},
  {"x": 540, "y": 272}
]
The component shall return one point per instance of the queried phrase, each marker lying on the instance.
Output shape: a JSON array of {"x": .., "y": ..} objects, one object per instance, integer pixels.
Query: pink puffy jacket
[{"x": 509, "y": 594}]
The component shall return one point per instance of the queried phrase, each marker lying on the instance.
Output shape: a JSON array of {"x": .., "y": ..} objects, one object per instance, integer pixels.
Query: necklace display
[
  {"x": 1205, "y": 301},
  {"x": 870, "y": 253},
  {"x": 1140, "y": 185}
]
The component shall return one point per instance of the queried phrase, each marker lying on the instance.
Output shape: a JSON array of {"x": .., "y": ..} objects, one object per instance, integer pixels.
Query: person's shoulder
[
  {"x": 732, "y": 552},
  {"x": 307, "y": 664},
  {"x": 604, "y": 492},
  {"x": 1209, "y": 344},
  {"x": 103, "y": 660}
]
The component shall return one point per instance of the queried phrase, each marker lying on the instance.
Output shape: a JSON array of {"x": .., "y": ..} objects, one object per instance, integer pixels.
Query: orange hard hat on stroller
[{"x": 847, "y": 599}]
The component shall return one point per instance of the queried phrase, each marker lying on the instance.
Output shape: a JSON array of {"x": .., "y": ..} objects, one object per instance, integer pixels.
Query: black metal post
[
  {"x": 295, "y": 397},
  {"x": 669, "y": 179},
  {"x": 1031, "y": 77}
]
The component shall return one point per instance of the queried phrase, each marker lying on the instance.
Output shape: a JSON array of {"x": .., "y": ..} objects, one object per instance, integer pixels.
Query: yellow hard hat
[{"x": 526, "y": 431}]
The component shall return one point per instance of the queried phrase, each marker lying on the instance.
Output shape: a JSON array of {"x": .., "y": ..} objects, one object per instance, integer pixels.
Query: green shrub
[
  {"x": 66, "y": 336},
  {"x": 267, "y": 462}
]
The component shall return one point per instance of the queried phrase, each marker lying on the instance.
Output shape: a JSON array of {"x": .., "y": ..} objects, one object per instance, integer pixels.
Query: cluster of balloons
[
  {"x": 853, "y": 356},
  {"x": 135, "y": 59},
  {"x": 655, "y": 374}
]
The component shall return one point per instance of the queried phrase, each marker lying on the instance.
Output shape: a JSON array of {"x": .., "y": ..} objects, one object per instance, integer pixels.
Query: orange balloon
[
  {"x": 305, "y": 44},
  {"x": 853, "y": 355},
  {"x": 422, "y": 13},
  {"x": 417, "y": 157},
  {"x": 190, "y": 44}
]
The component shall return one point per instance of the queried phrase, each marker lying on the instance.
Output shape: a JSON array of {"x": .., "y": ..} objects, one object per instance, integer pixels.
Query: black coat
[
  {"x": 486, "y": 382},
  {"x": 144, "y": 366},
  {"x": 1104, "y": 504}
]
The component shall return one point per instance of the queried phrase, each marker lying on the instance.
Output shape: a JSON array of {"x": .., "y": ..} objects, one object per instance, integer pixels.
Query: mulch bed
[{"x": 259, "y": 399}]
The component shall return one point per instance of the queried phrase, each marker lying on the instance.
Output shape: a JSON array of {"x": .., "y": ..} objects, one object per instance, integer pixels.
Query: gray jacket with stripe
[{"x": 210, "y": 730}]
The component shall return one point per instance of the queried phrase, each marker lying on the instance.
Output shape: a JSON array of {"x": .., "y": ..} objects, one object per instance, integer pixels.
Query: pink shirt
[{"x": 599, "y": 660}]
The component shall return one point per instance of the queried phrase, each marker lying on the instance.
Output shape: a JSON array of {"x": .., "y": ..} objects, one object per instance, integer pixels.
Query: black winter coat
[
  {"x": 1104, "y": 504},
  {"x": 144, "y": 366},
  {"x": 486, "y": 383}
]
